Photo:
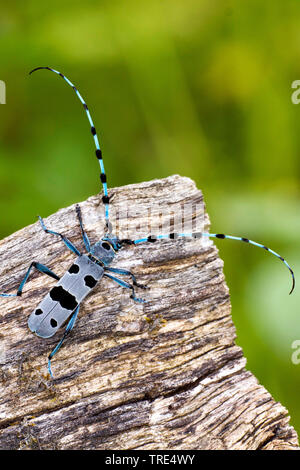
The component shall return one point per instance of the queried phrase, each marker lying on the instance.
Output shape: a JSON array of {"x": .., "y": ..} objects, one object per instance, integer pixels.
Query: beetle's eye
[{"x": 106, "y": 246}]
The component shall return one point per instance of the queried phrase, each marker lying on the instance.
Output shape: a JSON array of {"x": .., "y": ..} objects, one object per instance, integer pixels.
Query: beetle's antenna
[
  {"x": 103, "y": 178},
  {"x": 153, "y": 238}
]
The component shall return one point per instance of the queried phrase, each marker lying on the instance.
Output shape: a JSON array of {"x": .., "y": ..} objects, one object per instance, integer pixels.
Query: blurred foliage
[{"x": 201, "y": 88}]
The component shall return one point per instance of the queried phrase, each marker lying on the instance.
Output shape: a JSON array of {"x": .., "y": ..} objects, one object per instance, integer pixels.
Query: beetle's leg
[
  {"x": 127, "y": 286},
  {"x": 69, "y": 327},
  {"x": 64, "y": 239},
  {"x": 41, "y": 268},
  {"x": 124, "y": 272}
]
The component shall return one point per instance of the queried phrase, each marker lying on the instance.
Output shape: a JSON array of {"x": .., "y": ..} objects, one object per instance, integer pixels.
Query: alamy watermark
[
  {"x": 2, "y": 92},
  {"x": 296, "y": 94},
  {"x": 159, "y": 220},
  {"x": 295, "y": 357}
]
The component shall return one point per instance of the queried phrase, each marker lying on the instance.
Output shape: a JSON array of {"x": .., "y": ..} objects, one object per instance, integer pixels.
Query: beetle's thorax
[{"x": 106, "y": 249}]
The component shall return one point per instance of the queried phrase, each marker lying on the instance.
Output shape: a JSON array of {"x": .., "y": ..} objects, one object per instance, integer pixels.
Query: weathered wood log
[{"x": 162, "y": 375}]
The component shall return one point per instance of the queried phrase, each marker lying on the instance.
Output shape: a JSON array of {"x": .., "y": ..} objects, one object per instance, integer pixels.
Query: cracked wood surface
[{"x": 161, "y": 375}]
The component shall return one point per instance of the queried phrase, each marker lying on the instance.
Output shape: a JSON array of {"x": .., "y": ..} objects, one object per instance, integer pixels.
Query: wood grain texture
[{"x": 161, "y": 375}]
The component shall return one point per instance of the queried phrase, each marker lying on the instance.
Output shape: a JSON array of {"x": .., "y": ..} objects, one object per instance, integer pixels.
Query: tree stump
[{"x": 166, "y": 374}]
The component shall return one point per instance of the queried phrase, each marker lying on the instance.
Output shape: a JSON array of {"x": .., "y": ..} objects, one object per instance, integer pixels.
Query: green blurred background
[{"x": 201, "y": 88}]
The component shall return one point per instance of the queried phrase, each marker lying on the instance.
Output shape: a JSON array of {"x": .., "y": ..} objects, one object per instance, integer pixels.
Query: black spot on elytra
[
  {"x": 90, "y": 281},
  {"x": 53, "y": 322},
  {"x": 74, "y": 269},
  {"x": 38, "y": 311},
  {"x": 106, "y": 246},
  {"x": 66, "y": 300}
]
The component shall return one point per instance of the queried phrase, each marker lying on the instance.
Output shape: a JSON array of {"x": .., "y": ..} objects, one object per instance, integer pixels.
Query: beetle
[{"x": 61, "y": 305}]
